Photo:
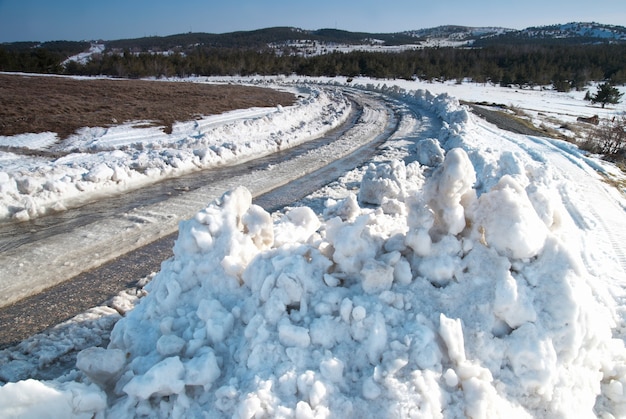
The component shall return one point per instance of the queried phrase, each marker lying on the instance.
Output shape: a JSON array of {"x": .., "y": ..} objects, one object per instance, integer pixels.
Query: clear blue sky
[{"x": 45, "y": 20}]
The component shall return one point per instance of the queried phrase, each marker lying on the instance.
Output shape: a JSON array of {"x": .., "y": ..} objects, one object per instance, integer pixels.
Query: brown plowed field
[{"x": 63, "y": 105}]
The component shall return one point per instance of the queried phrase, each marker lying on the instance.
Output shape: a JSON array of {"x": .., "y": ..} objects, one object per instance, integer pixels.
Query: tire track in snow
[
  {"x": 606, "y": 221},
  {"x": 576, "y": 169},
  {"x": 421, "y": 124},
  {"x": 34, "y": 267}
]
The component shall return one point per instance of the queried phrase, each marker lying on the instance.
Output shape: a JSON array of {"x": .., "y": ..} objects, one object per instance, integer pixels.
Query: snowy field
[{"x": 465, "y": 272}]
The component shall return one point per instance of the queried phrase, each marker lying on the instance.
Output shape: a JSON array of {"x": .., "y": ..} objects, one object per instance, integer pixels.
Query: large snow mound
[{"x": 425, "y": 296}]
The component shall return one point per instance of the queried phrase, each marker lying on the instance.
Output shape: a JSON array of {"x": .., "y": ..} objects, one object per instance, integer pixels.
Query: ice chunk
[
  {"x": 377, "y": 339},
  {"x": 101, "y": 365},
  {"x": 451, "y": 332}
]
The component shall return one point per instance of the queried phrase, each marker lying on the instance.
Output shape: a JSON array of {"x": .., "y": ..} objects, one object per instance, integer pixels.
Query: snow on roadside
[
  {"x": 30, "y": 141},
  {"x": 101, "y": 161},
  {"x": 457, "y": 290}
]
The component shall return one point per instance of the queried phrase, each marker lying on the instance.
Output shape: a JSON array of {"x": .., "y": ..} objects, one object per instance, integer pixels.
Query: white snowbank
[
  {"x": 462, "y": 290},
  {"x": 102, "y": 161}
]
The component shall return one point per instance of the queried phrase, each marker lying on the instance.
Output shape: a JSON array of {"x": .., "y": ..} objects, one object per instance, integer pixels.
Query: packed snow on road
[{"x": 470, "y": 272}]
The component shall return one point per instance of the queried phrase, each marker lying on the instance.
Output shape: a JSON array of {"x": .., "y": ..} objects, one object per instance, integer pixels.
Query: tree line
[{"x": 563, "y": 66}]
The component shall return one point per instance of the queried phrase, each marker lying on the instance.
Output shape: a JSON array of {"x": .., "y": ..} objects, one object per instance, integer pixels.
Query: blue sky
[{"x": 44, "y": 20}]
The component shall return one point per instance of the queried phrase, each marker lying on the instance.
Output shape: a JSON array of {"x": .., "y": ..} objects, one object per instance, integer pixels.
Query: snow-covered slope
[
  {"x": 297, "y": 41},
  {"x": 84, "y": 57},
  {"x": 590, "y": 30},
  {"x": 455, "y": 36},
  {"x": 477, "y": 273}
]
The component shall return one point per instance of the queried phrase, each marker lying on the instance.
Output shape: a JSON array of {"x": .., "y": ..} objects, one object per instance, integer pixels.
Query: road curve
[{"x": 30, "y": 268}]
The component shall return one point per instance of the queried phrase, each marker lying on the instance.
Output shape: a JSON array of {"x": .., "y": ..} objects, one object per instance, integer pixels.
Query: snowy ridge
[
  {"x": 455, "y": 36},
  {"x": 578, "y": 29},
  {"x": 458, "y": 287},
  {"x": 296, "y": 41}
]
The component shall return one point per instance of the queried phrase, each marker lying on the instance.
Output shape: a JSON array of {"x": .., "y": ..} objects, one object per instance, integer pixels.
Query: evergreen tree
[{"x": 606, "y": 93}]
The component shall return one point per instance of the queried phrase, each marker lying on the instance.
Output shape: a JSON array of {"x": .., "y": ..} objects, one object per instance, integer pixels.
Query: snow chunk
[
  {"x": 290, "y": 335},
  {"x": 385, "y": 180},
  {"x": 533, "y": 359},
  {"x": 450, "y": 191},
  {"x": 31, "y": 399},
  {"x": 101, "y": 365},
  {"x": 297, "y": 225},
  {"x": 505, "y": 219},
  {"x": 99, "y": 173},
  {"x": 376, "y": 277},
  {"x": 169, "y": 345},
  {"x": 332, "y": 369},
  {"x": 371, "y": 391},
  {"x": 512, "y": 302},
  {"x": 429, "y": 153},
  {"x": 351, "y": 242},
  {"x": 219, "y": 322},
  {"x": 163, "y": 379},
  {"x": 202, "y": 369}
]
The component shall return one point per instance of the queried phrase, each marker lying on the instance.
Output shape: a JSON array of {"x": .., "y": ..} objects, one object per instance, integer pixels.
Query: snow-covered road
[
  {"x": 36, "y": 265},
  {"x": 464, "y": 272}
]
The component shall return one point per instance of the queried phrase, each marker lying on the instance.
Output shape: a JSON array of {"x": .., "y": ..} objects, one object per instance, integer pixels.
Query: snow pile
[
  {"x": 445, "y": 292},
  {"x": 99, "y": 161}
]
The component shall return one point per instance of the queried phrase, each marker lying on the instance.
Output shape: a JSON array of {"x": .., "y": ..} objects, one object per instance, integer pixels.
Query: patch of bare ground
[
  {"x": 34, "y": 104},
  {"x": 510, "y": 122}
]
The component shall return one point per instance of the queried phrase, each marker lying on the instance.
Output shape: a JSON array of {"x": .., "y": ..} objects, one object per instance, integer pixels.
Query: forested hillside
[
  {"x": 521, "y": 58},
  {"x": 564, "y": 66}
]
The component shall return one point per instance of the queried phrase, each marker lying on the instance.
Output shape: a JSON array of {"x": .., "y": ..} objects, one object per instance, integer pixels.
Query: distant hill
[
  {"x": 450, "y": 35},
  {"x": 259, "y": 39},
  {"x": 454, "y": 35},
  {"x": 575, "y": 33},
  {"x": 566, "y": 56},
  {"x": 276, "y": 37}
]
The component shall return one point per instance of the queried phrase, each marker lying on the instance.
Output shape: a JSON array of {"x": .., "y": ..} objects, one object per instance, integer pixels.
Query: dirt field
[{"x": 63, "y": 105}]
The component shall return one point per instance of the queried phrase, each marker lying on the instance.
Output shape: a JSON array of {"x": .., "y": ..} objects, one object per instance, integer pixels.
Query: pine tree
[{"x": 606, "y": 93}]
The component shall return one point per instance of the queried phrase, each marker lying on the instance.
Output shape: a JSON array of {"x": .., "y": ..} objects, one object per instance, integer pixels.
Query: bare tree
[{"x": 610, "y": 136}]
